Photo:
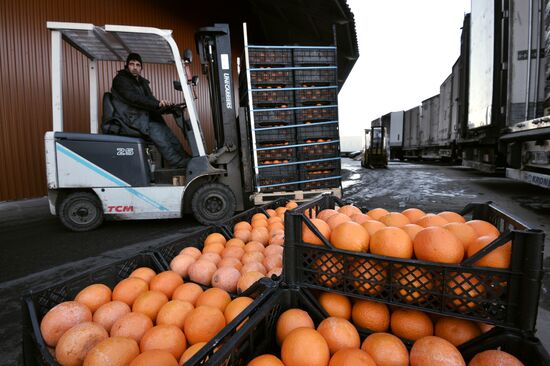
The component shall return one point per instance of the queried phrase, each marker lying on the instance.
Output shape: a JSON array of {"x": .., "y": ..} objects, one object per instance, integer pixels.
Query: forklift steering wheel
[{"x": 171, "y": 108}]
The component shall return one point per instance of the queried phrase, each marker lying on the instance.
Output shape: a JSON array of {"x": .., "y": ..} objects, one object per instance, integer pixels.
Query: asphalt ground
[{"x": 37, "y": 252}]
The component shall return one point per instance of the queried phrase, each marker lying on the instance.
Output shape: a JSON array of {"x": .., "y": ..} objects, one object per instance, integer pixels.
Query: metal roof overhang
[{"x": 305, "y": 22}]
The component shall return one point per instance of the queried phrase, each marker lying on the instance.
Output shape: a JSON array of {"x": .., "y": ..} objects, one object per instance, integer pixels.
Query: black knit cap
[{"x": 133, "y": 57}]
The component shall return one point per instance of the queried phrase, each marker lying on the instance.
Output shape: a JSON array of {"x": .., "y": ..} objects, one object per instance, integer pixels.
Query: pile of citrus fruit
[{"x": 146, "y": 319}]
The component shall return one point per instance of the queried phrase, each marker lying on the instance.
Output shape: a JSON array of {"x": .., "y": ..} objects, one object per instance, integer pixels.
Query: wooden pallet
[{"x": 298, "y": 196}]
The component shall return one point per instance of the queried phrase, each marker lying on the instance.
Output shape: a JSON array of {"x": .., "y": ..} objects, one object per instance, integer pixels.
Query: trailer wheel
[
  {"x": 213, "y": 203},
  {"x": 80, "y": 211}
]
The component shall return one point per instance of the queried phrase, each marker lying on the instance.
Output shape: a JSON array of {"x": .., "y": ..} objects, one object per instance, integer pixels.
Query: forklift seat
[{"x": 112, "y": 125}]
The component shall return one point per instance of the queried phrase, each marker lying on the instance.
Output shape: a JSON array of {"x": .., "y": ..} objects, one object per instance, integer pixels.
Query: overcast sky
[{"x": 407, "y": 49}]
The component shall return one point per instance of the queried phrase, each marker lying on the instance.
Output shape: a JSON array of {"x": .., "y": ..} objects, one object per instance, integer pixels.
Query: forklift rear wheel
[
  {"x": 213, "y": 203},
  {"x": 81, "y": 211}
]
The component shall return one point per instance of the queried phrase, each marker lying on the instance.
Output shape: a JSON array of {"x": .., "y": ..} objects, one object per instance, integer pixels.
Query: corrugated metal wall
[{"x": 25, "y": 100}]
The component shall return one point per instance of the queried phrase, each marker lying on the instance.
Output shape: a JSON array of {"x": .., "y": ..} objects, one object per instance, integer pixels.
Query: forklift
[
  {"x": 93, "y": 176},
  {"x": 376, "y": 151}
]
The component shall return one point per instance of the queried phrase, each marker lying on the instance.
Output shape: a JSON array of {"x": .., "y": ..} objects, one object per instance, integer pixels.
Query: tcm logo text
[{"x": 120, "y": 209}]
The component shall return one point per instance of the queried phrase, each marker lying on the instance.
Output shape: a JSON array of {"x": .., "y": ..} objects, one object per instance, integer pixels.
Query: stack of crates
[{"x": 291, "y": 92}]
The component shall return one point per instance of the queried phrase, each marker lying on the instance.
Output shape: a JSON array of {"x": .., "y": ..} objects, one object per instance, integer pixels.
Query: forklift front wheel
[
  {"x": 81, "y": 211},
  {"x": 213, "y": 203}
]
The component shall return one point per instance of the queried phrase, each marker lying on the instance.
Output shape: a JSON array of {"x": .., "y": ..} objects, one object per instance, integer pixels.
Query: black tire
[
  {"x": 80, "y": 211},
  {"x": 213, "y": 203}
]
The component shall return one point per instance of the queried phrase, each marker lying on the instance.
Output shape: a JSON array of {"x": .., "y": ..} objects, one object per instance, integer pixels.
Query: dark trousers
[{"x": 168, "y": 144}]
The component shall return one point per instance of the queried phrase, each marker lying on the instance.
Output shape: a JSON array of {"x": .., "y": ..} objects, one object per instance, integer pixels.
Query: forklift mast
[{"x": 214, "y": 48}]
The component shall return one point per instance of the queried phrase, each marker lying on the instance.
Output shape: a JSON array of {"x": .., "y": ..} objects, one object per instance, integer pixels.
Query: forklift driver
[{"x": 136, "y": 106}]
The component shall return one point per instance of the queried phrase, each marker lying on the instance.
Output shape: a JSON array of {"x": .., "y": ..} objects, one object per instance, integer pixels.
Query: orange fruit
[
  {"x": 465, "y": 233},
  {"x": 150, "y": 303},
  {"x": 215, "y": 258},
  {"x": 415, "y": 282},
  {"x": 497, "y": 258},
  {"x": 145, "y": 273},
  {"x": 261, "y": 236},
  {"x": 395, "y": 219},
  {"x": 190, "y": 352},
  {"x": 373, "y": 226},
  {"x": 355, "y": 357},
  {"x": 166, "y": 282},
  {"x": 435, "y": 351},
  {"x": 411, "y": 230},
  {"x": 360, "y": 218},
  {"x": 325, "y": 214},
  {"x": 129, "y": 289},
  {"x": 202, "y": 271},
  {"x": 413, "y": 214},
  {"x": 377, "y": 213},
  {"x": 259, "y": 223},
  {"x": 495, "y": 357},
  {"x": 335, "y": 304},
  {"x": 435, "y": 244},
  {"x": 187, "y": 292},
  {"x": 485, "y": 327},
  {"x": 174, "y": 313},
  {"x": 456, "y": 331},
  {"x": 214, "y": 297},
  {"x": 305, "y": 346},
  {"x": 336, "y": 220},
  {"x": 431, "y": 220},
  {"x": 166, "y": 338},
  {"x": 226, "y": 278},
  {"x": 386, "y": 349},
  {"x": 266, "y": 360},
  {"x": 291, "y": 204},
  {"x": 370, "y": 275},
  {"x": 155, "y": 357},
  {"x": 254, "y": 246},
  {"x": 452, "y": 216},
  {"x": 290, "y": 320},
  {"x": 93, "y": 296},
  {"x": 132, "y": 325},
  {"x": 112, "y": 351},
  {"x": 203, "y": 323},
  {"x": 242, "y": 235},
  {"x": 349, "y": 210},
  {"x": 271, "y": 212},
  {"x": 109, "y": 313},
  {"x": 371, "y": 315},
  {"x": 234, "y": 251},
  {"x": 339, "y": 334},
  {"x": 280, "y": 211},
  {"x": 213, "y": 248},
  {"x": 391, "y": 242},
  {"x": 464, "y": 285},
  {"x": 181, "y": 263},
  {"x": 350, "y": 236},
  {"x": 483, "y": 228},
  {"x": 411, "y": 324},
  {"x": 61, "y": 318},
  {"x": 235, "y": 307},
  {"x": 248, "y": 279},
  {"x": 309, "y": 237},
  {"x": 74, "y": 344},
  {"x": 242, "y": 225},
  {"x": 192, "y": 251},
  {"x": 235, "y": 242},
  {"x": 259, "y": 216},
  {"x": 214, "y": 238},
  {"x": 329, "y": 267}
]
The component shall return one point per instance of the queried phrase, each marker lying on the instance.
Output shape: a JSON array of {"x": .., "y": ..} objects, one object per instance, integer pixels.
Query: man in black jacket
[{"x": 135, "y": 104}]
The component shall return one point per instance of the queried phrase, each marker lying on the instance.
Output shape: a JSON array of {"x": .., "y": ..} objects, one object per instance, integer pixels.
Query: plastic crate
[
  {"x": 271, "y": 78},
  {"x": 268, "y": 156},
  {"x": 274, "y": 116},
  {"x": 277, "y": 134},
  {"x": 270, "y": 98},
  {"x": 504, "y": 297},
  {"x": 316, "y": 115},
  {"x": 315, "y": 96},
  {"x": 37, "y": 303},
  {"x": 278, "y": 176},
  {"x": 315, "y": 77},
  {"x": 258, "y": 57},
  {"x": 315, "y": 56},
  {"x": 319, "y": 151},
  {"x": 315, "y": 132},
  {"x": 328, "y": 171}
]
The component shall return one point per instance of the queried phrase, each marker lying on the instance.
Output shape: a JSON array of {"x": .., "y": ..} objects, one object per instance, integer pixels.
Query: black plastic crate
[
  {"x": 527, "y": 348},
  {"x": 266, "y": 157},
  {"x": 258, "y": 57},
  {"x": 274, "y": 134},
  {"x": 267, "y": 78},
  {"x": 316, "y": 96},
  {"x": 315, "y": 77},
  {"x": 37, "y": 303},
  {"x": 313, "y": 132},
  {"x": 272, "y": 98},
  {"x": 322, "y": 174},
  {"x": 315, "y": 56},
  {"x": 305, "y": 115},
  {"x": 319, "y": 151},
  {"x": 274, "y": 116},
  {"x": 322, "y": 184},
  {"x": 504, "y": 297},
  {"x": 278, "y": 176}
]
